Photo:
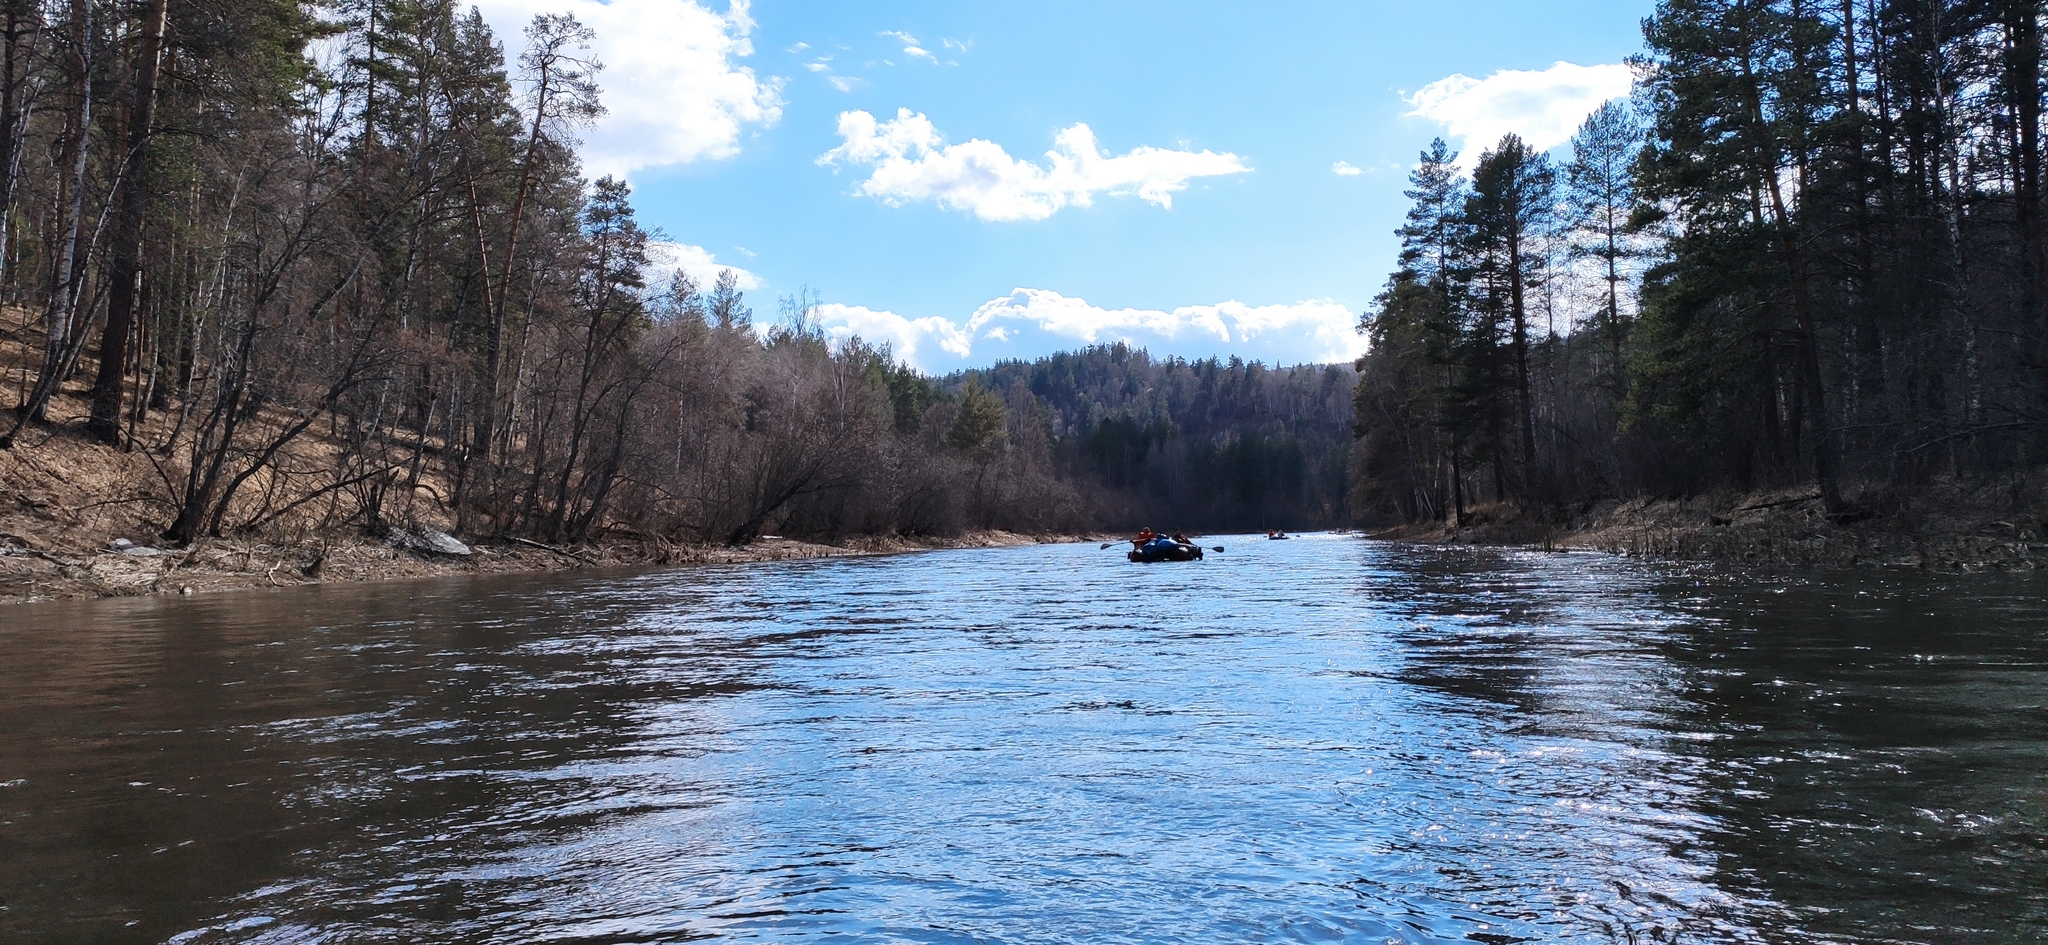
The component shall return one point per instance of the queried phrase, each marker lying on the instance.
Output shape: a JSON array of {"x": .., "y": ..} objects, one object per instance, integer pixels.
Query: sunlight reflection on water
[{"x": 1324, "y": 739}]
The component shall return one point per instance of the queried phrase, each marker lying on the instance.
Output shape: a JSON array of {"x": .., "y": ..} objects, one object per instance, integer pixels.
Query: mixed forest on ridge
[{"x": 311, "y": 269}]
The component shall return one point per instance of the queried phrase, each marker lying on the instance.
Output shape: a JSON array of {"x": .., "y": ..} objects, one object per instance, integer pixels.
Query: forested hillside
[
  {"x": 1810, "y": 251},
  {"x": 1204, "y": 444},
  {"x": 338, "y": 268}
]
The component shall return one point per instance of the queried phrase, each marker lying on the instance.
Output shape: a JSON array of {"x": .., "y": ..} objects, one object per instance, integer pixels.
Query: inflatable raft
[{"x": 1165, "y": 549}]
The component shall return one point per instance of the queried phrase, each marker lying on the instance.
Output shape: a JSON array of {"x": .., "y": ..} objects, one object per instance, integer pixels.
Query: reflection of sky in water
[{"x": 1320, "y": 739}]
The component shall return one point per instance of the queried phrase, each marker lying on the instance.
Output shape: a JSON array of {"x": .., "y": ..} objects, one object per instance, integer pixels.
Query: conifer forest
[{"x": 1809, "y": 252}]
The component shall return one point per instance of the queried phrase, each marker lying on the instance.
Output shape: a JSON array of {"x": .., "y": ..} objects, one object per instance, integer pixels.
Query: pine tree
[
  {"x": 981, "y": 425},
  {"x": 1736, "y": 98},
  {"x": 1429, "y": 325},
  {"x": 1512, "y": 203},
  {"x": 1433, "y": 237},
  {"x": 1599, "y": 198}
]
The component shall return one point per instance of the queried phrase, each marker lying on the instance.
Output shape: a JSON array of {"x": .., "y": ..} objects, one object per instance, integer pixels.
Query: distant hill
[{"x": 1210, "y": 444}]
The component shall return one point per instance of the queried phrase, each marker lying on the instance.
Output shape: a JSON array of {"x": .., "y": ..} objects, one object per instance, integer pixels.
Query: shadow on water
[
  {"x": 1317, "y": 740},
  {"x": 160, "y": 757},
  {"x": 1855, "y": 757},
  {"x": 1878, "y": 759}
]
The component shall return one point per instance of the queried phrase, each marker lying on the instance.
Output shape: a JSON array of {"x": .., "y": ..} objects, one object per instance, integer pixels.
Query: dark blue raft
[{"x": 1165, "y": 549}]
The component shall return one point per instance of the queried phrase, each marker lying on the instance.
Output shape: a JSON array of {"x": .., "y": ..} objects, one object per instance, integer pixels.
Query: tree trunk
[
  {"x": 67, "y": 283},
  {"x": 20, "y": 21},
  {"x": 1518, "y": 308},
  {"x": 133, "y": 203},
  {"x": 2023, "y": 79},
  {"x": 1813, "y": 390},
  {"x": 494, "y": 352}
]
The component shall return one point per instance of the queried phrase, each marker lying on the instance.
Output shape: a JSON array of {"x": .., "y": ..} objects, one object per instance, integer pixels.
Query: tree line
[
  {"x": 1808, "y": 250},
  {"x": 1210, "y": 444},
  {"x": 339, "y": 267}
]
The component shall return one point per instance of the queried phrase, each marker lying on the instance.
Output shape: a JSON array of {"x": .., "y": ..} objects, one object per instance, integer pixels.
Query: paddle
[{"x": 1111, "y": 544}]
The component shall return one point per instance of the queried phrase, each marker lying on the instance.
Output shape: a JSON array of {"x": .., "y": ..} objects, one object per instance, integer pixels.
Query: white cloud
[
  {"x": 1310, "y": 331},
  {"x": 912, "y": 163},
  {"x": 1545, "y": 107},
  {"x": 673, "y": 88},
  {"x": 905, "y": 336},
  {"x": 1077, "y": 320},
  {"x": 844, "y": 83},
  {"x": 666, "y": 257},
  {"x": 911, "y": 47},
  {"x": 1346, "y": 169}
]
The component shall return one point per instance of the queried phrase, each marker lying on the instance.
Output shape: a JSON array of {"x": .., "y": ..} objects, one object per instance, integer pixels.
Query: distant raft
[{"x": 1165, "y": 549}]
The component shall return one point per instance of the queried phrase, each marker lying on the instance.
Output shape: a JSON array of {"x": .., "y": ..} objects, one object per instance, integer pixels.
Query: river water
[{"x": 1324, "y": 739}]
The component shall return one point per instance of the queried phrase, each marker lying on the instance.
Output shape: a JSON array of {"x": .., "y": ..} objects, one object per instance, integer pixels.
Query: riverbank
[
  {"x": 79, "y": 519},
  {"x": 121, "y": 568},
  {"x": 1947, "y": 526}
]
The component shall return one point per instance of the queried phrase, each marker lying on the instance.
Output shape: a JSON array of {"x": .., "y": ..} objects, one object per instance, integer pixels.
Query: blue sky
[{"x": 1227, "y": 178}]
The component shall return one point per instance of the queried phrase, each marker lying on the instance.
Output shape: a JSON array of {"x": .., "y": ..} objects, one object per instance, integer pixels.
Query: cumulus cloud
[
  {"x": 911, "y": 163},
  {"x": 665, "y": 257},
  {"x": 1346, "y": 169},
  {"x": 1545, "y": 107},
  {"x": 674, "y": 90},
  {"x": 1326, "y": 327},
  {"x": 1310, "y": 331},
  {"x": 907, "y": 337}
]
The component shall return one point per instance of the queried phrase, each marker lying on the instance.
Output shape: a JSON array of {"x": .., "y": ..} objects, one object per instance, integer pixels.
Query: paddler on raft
[{"x": 1147, "y": 536}]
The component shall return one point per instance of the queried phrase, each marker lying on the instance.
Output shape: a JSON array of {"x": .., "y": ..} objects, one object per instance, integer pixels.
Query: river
[{"x": 1326, "y": 739}]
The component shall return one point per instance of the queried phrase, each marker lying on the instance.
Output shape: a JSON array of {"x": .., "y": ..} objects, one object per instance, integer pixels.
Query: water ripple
[{"x": 1321, "y": 740}]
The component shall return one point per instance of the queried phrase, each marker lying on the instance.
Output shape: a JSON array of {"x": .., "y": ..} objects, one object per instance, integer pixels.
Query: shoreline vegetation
[
  {"x": 1776, "y": 530},
  {"x": 79, "y": 519}
]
